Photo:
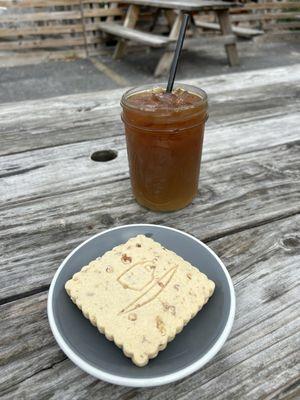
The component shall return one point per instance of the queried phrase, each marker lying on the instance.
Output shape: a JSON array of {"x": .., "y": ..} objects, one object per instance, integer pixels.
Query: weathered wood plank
[
  {"x": 40, "y": 30},
  {"x": 103, "y": 12},
  {"x": 130, "y": 21},
  {"x": 47, "y": 30},
  {"x": 233, "y": 98},
  {"x": 239, "y": 31},
  {"x": 40, "y": 16},
  {"x": 66, "y": 204},
  {"x": 58, "y": 15},
  {"x": 271, "y": 5},
  {"x": 124, "y": 32},
  {"x": 282, "y": 26},
  {"x": 47, "y": 43},
  {"x": 198, "y": 42},
  {"x": 225, "y": 25},
  {"x": 44, "y": 172},
  {"x": 56, "y": 197},
  {"x": 191, "y": 5},
  {"x": 263, "y": 343},
  {"x": 265, "y": 17},
  {"x": 46, "y": 3}
]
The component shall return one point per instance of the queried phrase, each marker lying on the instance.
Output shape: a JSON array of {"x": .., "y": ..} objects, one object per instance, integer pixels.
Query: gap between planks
[
  {"x": 271, "y": 195},
  {"x": 30, "y": 293},
  {"x": 237, "y": 87},
  {"x": 231, "y": 232},
  {"x": 106, "y": 175},
  {"x": 240, "y": 348}
]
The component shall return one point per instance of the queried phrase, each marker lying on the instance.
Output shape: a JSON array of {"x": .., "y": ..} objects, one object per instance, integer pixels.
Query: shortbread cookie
[{"x": 140, "y": 295}]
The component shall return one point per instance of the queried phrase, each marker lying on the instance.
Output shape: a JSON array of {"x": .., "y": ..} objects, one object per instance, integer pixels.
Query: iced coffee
[{"x": 164, "y": 135}]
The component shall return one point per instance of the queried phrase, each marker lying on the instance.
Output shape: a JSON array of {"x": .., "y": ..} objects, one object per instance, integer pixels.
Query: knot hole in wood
[{"x": 104, "y": 155}]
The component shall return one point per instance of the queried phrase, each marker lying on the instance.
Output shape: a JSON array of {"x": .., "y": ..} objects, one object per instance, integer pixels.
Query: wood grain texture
[
  {"x": 47, "y": 3},
  {"x": 239, "y": 98},
  {"x": 239, "y": 31},
  {"x": 225, "y": 25},
  {"x": 62, "y": 24},
  {"x": 29, "y": 175},
  {"x": 48, "y": 30},
  {"x": 40, "y": 30},
  {"x": 258, "y": 361},
  {"x": 131, "y": 19},
  {"x": 53, "y": 196},
  {"x": 265, "y": 17},
  {"x": 197, "y": 43},
  {"x": 187, "y": 5},
  {"x": 49, "y": 185},
  {"x": 123, "y": 32},
  {"x": 64, "y": 205},
  {"x": 63, "y": 15},
  {"x": 282, "y": 26},
  {"x": 268, "y": 5}
]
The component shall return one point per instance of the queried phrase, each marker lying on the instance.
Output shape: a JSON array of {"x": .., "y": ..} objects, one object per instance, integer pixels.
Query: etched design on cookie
[
  {"x": 138, "y": 276},
  {"x": 150, "y": 291}
]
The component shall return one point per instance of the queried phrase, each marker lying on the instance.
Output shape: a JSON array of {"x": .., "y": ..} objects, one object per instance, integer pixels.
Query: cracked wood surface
[
  {"x": 53, "y": 197},
  {"x": 258, "y": 360},
  {"x": 233, "y": 98},
  {"x": 235, "y": 193}
]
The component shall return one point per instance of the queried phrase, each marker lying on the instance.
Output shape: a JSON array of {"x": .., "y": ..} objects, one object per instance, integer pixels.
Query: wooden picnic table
[
  {"x": 53, "y": 196},
  {"x": 174, "y": 10}
]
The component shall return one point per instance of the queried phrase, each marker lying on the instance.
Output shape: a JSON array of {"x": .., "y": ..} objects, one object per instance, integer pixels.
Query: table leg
[
  {"x": 225, "y": 24},
  {"x": 166, "y": 59},
  {"x": 170, "y": 16},
  {"x": 130, "y": 22}
]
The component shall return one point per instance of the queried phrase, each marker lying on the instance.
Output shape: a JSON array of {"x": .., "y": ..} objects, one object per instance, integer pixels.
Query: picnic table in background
[
  {"x": 128, "y": 30},
  {"x": 54, "y": 196}
]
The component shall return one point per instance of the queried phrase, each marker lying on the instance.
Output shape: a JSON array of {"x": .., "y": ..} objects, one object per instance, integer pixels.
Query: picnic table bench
[
  {"x": 54, "y": 196},
  {"x": 128, "y": 30}
]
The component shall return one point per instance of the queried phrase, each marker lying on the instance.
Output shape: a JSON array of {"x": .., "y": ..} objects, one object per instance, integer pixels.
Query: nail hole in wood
[{"x": 104, "y": 155}]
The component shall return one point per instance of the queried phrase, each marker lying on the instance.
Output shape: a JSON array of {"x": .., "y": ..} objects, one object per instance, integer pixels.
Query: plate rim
[{"x": 140, "y": 382}]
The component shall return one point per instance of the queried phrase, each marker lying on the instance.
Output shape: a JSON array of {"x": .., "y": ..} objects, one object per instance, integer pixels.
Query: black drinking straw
[{"x": 177, "y": 53}]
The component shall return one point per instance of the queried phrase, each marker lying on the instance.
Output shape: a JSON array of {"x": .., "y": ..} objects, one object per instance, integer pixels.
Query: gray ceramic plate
[{"x": 199, "y": 341}]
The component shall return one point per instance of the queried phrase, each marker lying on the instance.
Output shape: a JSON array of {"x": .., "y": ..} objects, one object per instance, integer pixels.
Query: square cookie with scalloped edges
[{"x": 140, "y": 295}]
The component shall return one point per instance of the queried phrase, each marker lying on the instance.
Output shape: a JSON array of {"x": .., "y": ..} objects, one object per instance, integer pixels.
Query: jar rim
[{"x": 190, "y": 88}]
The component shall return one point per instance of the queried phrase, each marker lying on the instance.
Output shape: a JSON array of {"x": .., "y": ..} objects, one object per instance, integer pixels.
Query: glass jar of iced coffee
[{"x": 164, "y": 135}]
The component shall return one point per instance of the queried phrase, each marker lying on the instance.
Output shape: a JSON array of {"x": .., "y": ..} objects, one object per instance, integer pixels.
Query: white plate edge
[{"x": 141, "y": 382}]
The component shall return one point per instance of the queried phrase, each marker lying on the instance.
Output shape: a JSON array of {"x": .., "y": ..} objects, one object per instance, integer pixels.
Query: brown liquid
[{"x": 164, "y": 134}]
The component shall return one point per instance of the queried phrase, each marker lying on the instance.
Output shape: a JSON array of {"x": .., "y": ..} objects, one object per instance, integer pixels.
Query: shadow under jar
[{"x": 164, "y": 135}]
